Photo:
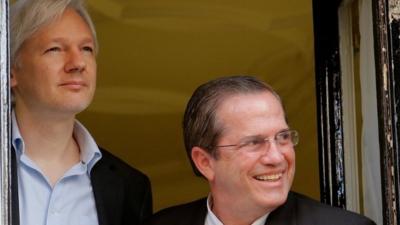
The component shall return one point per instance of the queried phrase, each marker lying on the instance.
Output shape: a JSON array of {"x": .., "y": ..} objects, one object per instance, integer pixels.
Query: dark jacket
[
  {"x": 122, "y": 193},
  {"x": 298, "y": 210}
]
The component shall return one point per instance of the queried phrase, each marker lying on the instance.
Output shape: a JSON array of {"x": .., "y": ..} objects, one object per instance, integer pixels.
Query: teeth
[{"x": 271, "y": 177}]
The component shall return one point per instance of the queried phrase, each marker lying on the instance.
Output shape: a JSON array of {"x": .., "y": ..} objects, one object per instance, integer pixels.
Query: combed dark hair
[{"x": 200, "y": 127}]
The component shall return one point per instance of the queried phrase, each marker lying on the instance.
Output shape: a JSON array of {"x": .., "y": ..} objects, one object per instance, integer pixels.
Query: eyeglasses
[{"x": 284, "y": 140}]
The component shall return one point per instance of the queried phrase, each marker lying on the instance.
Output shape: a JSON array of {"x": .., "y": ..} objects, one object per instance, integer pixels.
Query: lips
[
  {"x": 73, "y": 84},
  {"x": 269, "y": 177}
]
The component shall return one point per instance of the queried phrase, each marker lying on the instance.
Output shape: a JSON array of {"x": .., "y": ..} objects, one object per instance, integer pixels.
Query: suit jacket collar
[
  {"x": 199, "y": 218},
  {"x": 280, "y": 215},
  {"x": 193, "y": 213},
  {"x": 14, "y": 189},
  {"x": 277, "y": 217},
  {"x": 108, "y": 192}
]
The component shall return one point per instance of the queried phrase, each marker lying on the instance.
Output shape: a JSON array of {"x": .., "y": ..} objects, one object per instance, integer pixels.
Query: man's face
[
  {"x": 254, "y": 181},
  {"x": 56, "y": 68}
]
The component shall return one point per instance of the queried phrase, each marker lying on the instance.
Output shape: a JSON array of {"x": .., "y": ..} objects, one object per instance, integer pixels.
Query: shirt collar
[
  {"x": 212, "y": 219},
  {"x": 90, "y": 152},
  {"x": 17, "y": 141}
]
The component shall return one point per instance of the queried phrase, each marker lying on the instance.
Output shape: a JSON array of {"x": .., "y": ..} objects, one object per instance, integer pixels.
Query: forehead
[
  {"x": 251, "y": 112},
  {"x": 70, "y": 22}
]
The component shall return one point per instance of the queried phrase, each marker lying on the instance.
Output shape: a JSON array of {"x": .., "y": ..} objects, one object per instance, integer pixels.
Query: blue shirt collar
[
  {"x": 90, "y": 152},
  {"x": 17, "y": 141}
]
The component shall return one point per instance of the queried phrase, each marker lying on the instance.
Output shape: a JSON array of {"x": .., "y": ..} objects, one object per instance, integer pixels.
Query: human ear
[
  {"x": 13, "y": 80},
  {"x": 204, "y": 162}
]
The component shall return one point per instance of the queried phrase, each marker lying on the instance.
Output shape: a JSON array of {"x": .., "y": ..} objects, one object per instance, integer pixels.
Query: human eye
[
  {"x": 52, "y": 49},
  {"x": 252, "y": 143},
  {"x": 284, "y": 137},
  {"x": 88, "y": 49}
]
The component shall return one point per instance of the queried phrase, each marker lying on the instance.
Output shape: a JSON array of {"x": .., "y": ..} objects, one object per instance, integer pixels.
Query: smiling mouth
[{"x": 272, "y": 177}]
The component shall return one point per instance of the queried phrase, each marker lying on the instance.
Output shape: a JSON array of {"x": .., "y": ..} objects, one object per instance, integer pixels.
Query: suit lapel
[
  {"x": 199, "y": 217},
  {"x": 14, "y": 189},
  {"x": 285, "y": 214},
  {"x": 108, "y": 193}
]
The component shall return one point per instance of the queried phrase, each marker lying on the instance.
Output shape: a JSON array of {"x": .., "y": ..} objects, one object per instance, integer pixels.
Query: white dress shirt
[{"x": 212, "y": 219}]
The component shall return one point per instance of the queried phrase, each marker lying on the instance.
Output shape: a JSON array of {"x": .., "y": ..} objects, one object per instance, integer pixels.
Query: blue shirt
[{"x": 71, "y": 200}]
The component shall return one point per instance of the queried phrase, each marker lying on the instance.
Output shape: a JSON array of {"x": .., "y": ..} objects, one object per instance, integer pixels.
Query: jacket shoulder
[
  {"x": 121, "y": 190},
  {"x": 115, "y": 164},
  {"x": 189, "y": 213},
  {"x": 314, "y": 212}
]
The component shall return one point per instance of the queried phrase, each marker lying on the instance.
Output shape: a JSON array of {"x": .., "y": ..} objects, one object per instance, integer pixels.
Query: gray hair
[
  {"x": 200, "y": 125},
  {"x": 28, "y": 16}
]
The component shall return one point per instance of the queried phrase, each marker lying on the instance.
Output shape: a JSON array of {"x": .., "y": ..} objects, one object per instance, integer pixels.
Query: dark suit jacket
[
  {"x": 298, "y": 210},
  {"x": 122, "y": 193}
]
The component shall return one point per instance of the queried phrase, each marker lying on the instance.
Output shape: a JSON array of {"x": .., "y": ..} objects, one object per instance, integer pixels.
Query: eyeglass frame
[{"x": 294, "y": 136}]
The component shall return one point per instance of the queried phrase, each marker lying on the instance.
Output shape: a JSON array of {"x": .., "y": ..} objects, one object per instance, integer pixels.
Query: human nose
[
  {"x": 75, "y": 61},
  {"x": 271, "y": 153}
]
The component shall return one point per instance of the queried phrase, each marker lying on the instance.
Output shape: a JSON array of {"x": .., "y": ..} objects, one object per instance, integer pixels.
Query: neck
[
  {"x": 44, "y": 133},
  {"x": 49, "y": 141},
  {"x": 230, "y": 212}
]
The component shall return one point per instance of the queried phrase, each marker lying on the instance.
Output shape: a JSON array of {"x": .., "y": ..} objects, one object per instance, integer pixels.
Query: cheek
[
  {"x": 291, "y": 161},
  {"x": 237, "y": 166},
  {"x": 228, "y": 169},
  {"x": 91, "y": 64},
  {"x": 244, "y": 166},
  {"x": 92, "y": 70},
  {"x": 95, "y": 74},
  {"x": 290, "y": 157}
]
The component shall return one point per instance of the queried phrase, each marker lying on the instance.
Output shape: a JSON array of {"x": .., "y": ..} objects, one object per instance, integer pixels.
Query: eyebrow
[
  {"x": 62, "y": 39},
  {"x": 251, "y": 137},
  {"x": 261, "y": 136},
  {"x": 87, "y": 40}
]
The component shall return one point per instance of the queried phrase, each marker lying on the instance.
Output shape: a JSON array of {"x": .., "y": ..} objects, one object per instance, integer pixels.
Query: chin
[
  {"x": 273, "y": 201},
  {"x": 73, "y": 108}
]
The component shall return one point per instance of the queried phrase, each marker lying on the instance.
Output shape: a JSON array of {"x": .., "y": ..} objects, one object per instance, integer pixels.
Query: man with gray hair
[
  {"x": 60, "y": 175},
  {"x": 237, "y": 137}
]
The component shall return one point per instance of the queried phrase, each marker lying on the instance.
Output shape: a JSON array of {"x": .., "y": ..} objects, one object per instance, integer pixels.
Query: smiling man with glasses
[{"x": 237, "y": 137}]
